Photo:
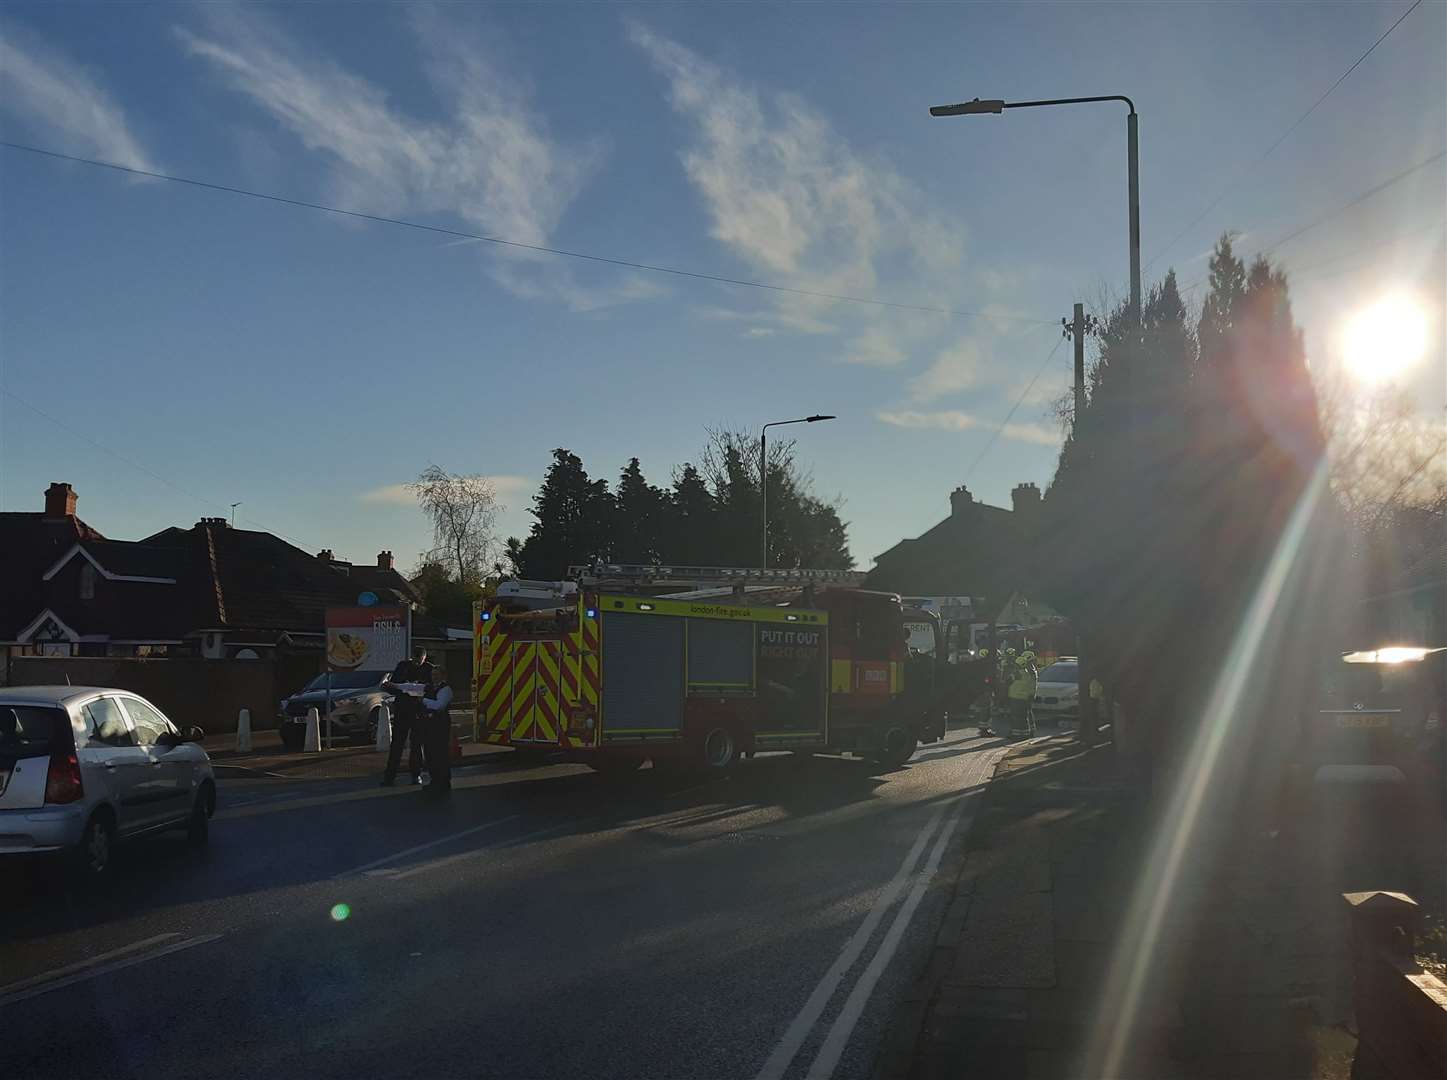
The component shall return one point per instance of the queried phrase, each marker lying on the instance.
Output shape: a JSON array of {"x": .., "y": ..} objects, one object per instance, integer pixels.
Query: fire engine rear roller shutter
[
  {"x": 720, "y": 654},
  {"x": 642, "y": 672}
]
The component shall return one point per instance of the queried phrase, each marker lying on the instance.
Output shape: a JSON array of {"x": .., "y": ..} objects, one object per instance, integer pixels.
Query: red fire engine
[{"x": 703, "y": 665}]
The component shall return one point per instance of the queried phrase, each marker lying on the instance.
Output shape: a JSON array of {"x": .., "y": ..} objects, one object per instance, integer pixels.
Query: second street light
[
  {"x": 995, "y": 105},
  {"x": 764, "y": 472}
]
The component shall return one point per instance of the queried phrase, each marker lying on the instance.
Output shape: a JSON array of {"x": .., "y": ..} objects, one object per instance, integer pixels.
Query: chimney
[
  {"x": 213, "y": 523},
  {"x": 60, "y": 501},
  {"x": 325, "y": 555},
  {"x": 384, "y": 560},
  {"x": 1026, "y": 498},
  {"x": 960, "y": 500}
]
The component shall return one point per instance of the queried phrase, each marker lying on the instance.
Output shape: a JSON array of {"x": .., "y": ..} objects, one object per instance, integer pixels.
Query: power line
[
  {"x": 1300, "y": 270},
  {"x": 138, "y": 466},
  {"x": 1013, "y": 408},
  {"x": 1357, "y": 200},
  {"x": 563, "y": 252},
  {"x": 1284, "y": 135},
  {"x": 1363, "y": 197}
]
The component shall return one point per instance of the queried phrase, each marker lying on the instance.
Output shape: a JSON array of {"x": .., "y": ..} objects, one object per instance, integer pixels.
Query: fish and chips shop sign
[{"x": 374, "y": 638}]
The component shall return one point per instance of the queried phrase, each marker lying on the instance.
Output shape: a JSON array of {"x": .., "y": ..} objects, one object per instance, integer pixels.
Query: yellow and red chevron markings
[{"x": 526, "y": 689}]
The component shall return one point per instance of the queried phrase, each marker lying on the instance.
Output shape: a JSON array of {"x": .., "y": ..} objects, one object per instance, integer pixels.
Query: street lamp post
[
  {"x": 995, "y": 105},
  {"x": 764, "y": 471}
]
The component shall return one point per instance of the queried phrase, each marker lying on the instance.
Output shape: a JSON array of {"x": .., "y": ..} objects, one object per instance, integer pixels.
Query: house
[
  {"x": 210, "y": 591},
  {"x": 978, "y": 550}
]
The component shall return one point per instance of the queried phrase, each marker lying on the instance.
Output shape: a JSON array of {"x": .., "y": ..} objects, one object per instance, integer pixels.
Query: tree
[
  {"x": 443, "y": 596},
  {"x": 710, "y": 516},
  {"x": 575, "y": 518},
  {"x": 1384, "y": 456},
  {"x": 1172, "y": 499},
  {"x": 638, "y": 533},
  {"x": 689, "y": 520},
  {"x": 463, "y": 510},
  {"x": 803, "y": 529}
]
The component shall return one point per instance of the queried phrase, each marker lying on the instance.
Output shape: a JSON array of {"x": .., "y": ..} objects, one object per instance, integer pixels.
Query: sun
[{"x": 1386, "y": 339}]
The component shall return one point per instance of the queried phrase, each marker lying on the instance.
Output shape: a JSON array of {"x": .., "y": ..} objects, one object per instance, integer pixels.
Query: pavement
[
  {"x": 267, "y": 757},
  {"x": 544, "y": 921},
  {"x": 1063, "y": 955}
]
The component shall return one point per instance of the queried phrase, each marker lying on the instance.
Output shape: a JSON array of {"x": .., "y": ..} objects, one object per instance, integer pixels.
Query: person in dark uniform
[
  {"x": 408, "y": 715},
  {"x": 437, "y": 726}
]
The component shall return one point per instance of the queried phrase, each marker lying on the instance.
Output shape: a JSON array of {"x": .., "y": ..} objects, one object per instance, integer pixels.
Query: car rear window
[
  {"x": 347, "y": 680},
  {"x": 32, "y": 730},
  {"x": 1060, "y": 673}
]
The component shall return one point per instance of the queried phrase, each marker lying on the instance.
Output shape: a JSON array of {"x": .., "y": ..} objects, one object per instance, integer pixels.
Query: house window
[{"x": 87, "y": 582}]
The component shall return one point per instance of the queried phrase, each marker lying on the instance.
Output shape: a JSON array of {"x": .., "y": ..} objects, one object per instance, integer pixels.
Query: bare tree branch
[{"x": 463, "y": 510}]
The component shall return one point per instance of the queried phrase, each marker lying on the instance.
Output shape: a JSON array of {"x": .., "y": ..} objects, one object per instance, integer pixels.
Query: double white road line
[
  {"x": 838, "y": 1035},
  {"x": 137, "y": 952}
]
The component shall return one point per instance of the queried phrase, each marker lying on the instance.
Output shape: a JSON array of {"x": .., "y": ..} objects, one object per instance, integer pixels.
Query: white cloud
[
  {"x": 874, "y": 348},
  {"x": 955, "y": 420},
  {"x": 490, "y": 160},
  {"x": 504, "y": 486},
  {"x": 789, "y": 196},
  {"x": 759, "y": 332},
  {"x": 391, "y": 494},
  {"x": 1041, "y": 433},
  {"x": 943, "y": 420},
  {"x": 41, "y": 86},
  {"x": 511, "y": 485},
  {"x": 954, "y": 369}
]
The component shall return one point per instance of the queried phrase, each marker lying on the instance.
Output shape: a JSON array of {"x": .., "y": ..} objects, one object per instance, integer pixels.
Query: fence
[
  {"x": 204, "y": 693},
  {"x": 1401, "y": 1009}
]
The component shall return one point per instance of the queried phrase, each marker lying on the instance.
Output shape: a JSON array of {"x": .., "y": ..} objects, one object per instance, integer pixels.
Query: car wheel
[
  {"x": 198, "y": 827},
  {"x": 91, "y": 859}
]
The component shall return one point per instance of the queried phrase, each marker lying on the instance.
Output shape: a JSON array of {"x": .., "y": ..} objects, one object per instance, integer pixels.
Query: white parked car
[
  {"x": 83, "y": 766},
  {"x": 1057, "y": 694}
]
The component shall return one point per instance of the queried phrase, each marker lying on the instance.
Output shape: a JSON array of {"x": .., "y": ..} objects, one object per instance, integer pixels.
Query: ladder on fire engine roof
[{"x": 635, "y": 575}]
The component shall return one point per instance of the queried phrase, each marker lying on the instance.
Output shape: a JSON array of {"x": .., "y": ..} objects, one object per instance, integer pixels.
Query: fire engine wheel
[
  {"x": 899, "y": 743},
  {"x": 719, "y": 749}
]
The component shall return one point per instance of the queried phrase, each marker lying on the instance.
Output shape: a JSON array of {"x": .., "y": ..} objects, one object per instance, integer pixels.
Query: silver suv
[{"x": 83, "y": 766}]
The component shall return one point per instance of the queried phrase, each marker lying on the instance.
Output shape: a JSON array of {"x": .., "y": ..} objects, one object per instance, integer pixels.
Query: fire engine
[{"x": 702, "y": 666}]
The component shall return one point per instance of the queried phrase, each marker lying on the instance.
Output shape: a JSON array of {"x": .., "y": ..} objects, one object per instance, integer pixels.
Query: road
[{"x": 544, "y": 922}]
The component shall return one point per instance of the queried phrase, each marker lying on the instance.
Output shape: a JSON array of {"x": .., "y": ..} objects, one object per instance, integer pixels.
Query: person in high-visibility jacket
[{"x": 1023, "y": 681}]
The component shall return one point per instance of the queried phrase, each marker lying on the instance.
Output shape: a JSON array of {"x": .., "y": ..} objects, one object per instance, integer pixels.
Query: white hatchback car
[{"x": 83, "y": 766}]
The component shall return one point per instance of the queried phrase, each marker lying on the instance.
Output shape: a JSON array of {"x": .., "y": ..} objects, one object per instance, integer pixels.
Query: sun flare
[{"x": 1384, "y": 340}]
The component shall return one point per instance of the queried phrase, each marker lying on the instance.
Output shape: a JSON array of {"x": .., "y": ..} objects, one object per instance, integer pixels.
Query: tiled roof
[
  {"x": 973, "y": 552},
  {"x": 377, "y": 580},
  {"x": 131, "y": 559},
  {"x": 224, "y": 579},
  {"x": 29, "y": 544}
]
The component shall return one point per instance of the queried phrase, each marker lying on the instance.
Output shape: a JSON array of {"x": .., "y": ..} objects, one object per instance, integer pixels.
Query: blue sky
[{"x": 223, "y": 349}]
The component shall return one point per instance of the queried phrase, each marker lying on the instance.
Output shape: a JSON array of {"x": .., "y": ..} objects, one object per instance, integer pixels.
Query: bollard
[
  {"x": 384, "y": 729},
  {"x": 313, "y": 730},
  {"x": 243, "y": 730}
]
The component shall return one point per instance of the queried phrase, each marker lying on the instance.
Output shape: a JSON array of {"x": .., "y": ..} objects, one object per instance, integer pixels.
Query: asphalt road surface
[{"x": 544, "y": 922}]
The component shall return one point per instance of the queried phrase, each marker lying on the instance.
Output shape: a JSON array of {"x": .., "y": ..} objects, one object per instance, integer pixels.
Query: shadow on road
[{"x": 278, "y": 846}]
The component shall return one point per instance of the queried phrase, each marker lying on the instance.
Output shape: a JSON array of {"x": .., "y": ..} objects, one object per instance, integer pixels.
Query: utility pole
[{"x": 1079, "y": 326}]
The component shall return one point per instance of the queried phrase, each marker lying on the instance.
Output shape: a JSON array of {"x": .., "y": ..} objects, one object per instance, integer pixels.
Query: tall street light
[
  {"x": 764, "y": 470},
  {"x": 995, "y": 105}
]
